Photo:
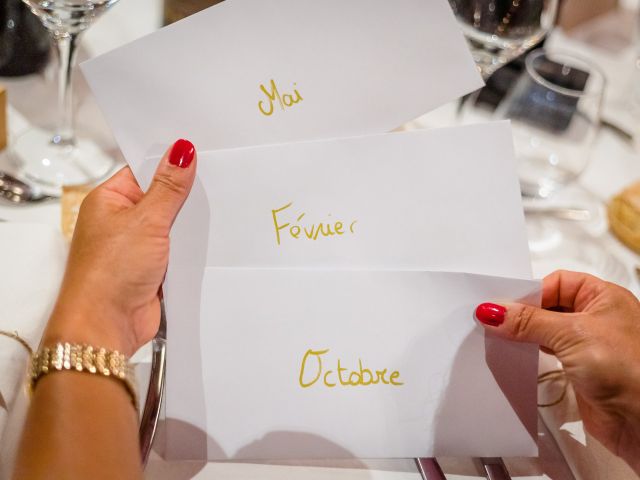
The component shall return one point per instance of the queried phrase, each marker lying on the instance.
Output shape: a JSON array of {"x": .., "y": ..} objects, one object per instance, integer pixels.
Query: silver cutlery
[
  {"x": 429, "y": 469},
  {"x": 493, "y": 468},
  {"x": 563, "y": 213},
  {"x": 490, "y": 468},
  {"x": 155, "y": 392},
  {"x": 621, "y": 132},
  {"x": 18, "y": 192}
]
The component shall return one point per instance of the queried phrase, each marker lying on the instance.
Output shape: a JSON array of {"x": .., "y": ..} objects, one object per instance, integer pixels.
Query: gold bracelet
[{"x": 83, "y": 358}]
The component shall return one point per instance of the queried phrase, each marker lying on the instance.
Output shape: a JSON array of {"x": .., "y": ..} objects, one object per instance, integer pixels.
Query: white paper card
[
  {"x": 451, "y": 201},
  {"x": 339, "y": 68},
  {"x": 428, "y": 380},
  {"x": 442, "y": 199}
]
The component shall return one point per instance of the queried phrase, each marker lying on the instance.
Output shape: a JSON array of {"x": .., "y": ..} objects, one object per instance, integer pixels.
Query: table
[{"x": 615, "y": 163}]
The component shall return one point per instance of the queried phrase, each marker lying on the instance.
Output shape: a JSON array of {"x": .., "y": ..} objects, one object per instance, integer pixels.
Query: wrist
[{"x": 95, "y": 325}]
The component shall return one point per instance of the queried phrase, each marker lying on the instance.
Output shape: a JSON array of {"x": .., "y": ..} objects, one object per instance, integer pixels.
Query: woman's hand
[
  {"x": 84, "y": 426},
  {"x": 594, "y": 330},
  {"x": 118, "y": 257}
]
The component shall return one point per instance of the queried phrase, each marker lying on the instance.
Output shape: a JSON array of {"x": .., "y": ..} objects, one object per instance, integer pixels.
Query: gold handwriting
[
  {"x": 297, "y": 230},
  {"x": 342, "y": 376},
  {"x": 285, "y": 100}
]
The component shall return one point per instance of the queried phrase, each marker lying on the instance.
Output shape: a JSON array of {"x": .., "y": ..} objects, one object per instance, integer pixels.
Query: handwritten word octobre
[
  {"x": 312, "y": 232},
  {"x": 342, "y": 376}
]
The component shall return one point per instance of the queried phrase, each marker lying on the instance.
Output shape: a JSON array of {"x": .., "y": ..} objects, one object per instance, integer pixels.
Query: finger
[
  {"x": 124, "y": 183},
  {"x": 524, "y": 323},
  {"x": 546, "y": 350},
  {"x": 171, "y": 183},
  {"x": 569, "y": 290}
]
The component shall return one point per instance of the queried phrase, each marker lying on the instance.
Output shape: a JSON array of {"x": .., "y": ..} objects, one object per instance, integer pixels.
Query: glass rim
[{"x": 539, "y": 52}]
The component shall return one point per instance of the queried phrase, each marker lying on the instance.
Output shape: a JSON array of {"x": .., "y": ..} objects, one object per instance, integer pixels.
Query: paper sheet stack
[{"x": 323, "y": 274}]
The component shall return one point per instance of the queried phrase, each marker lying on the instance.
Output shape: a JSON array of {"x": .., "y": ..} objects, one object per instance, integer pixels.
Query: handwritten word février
[
  {"x": 295, "y": 230},
  {"x": 285, "y": 100},
  {"x": 354, "y": 378}
]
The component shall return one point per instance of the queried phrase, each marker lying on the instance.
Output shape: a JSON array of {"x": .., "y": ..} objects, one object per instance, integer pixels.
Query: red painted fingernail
[
  {"x": 182, "y": 153},
  {"x": 491, "y": 314}
]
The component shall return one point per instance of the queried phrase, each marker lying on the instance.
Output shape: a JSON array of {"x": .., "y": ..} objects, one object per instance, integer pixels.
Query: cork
[
  {"x": 72, "y": 197},
  {"x": 3, "y": 118}
]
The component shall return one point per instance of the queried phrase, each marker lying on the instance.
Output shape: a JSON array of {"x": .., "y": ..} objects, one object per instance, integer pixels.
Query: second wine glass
[{"x": 554, "y": 108}]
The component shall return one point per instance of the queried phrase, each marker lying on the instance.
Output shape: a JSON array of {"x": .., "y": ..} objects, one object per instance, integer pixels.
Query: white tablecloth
[{"x": 32, "y": 253}]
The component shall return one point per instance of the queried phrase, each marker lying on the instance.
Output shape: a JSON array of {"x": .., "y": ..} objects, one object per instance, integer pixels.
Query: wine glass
[
  {"x": 500, "y": 30},
  {"x": 554, "y": 108},
  {"x": 57, "y": 158}
]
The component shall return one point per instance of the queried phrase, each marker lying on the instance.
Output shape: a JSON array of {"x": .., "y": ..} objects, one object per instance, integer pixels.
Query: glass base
[
  {"x": 573, "y": 245},
  {"x": 562, "y": 245},
  {"x": 541, "y": 190},
  {"x": 540, "y": 177},
  {"x": 53, "y": 165}
]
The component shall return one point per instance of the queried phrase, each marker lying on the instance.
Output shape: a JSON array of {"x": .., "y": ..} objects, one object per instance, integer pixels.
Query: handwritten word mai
[
  {"x": 312, "y": 231},
  {"x": 312, "y": 371},
  {"x": 285, "y": 100}
]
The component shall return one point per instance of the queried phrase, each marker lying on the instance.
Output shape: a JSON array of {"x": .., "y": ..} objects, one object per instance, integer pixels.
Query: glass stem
[
  {"x": 67, "y": 49},
  {"x": 486, "y": 65}
]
